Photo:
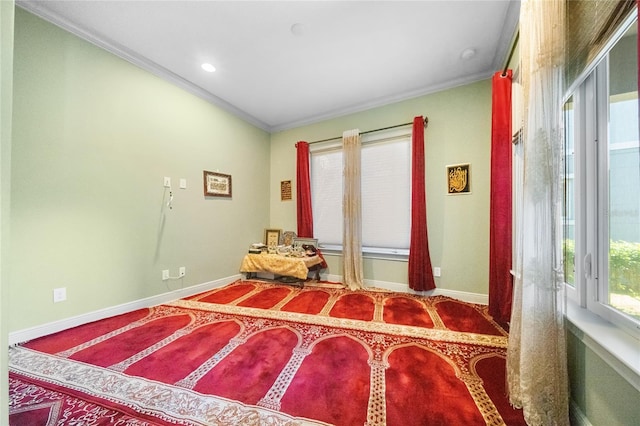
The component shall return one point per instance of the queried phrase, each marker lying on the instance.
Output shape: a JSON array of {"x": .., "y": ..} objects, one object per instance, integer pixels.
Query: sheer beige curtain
[
  {"x": 536, "y": 356},
  {"x": 351, "y": 209}
]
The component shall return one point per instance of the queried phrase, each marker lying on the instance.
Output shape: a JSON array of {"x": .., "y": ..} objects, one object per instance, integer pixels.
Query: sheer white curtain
[
  {"x": 351, "y": 209},
  {"x": 536, "y": 358}
]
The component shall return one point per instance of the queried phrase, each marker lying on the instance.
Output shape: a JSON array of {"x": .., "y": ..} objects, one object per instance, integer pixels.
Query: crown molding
[
  {"x": 507, "y": 37},
  {"x": 384, "y": 101}
]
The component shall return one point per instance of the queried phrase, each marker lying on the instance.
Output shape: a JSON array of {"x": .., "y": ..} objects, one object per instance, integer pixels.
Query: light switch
[
  {"x": 59, "y": 294},
  {"x": 183, "y": 184},
  {"x": 167, "y": 182}
]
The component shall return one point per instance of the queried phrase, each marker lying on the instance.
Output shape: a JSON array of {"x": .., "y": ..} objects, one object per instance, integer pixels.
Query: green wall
[
  {"x": 93, "y": 137},
  {"x": 6, "y": 97},
  {"x": 600, "y": 393},
  {"x": 459, "y": 131}
]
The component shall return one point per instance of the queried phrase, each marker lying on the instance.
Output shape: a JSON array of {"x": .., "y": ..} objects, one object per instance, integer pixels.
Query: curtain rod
[
  {"x": 426, "y": 123},
  {"x": 513, "y": 49}
]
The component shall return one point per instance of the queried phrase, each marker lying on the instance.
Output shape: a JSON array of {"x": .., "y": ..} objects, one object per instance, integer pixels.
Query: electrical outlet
[
  {"x": 59, "y": 294},
  {"x": 182, "y": 271},
  {"x": 167, "y": 182},
  {"x": 165, "y": 274},
  {"x": 436, "y": 271}
]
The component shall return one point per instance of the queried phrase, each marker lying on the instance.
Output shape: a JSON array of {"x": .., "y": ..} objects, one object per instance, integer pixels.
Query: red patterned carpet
[{"x": 256, "y": 353}]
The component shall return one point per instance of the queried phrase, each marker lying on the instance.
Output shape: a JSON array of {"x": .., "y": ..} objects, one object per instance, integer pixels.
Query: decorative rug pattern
[{"x": 257, "y": 353}]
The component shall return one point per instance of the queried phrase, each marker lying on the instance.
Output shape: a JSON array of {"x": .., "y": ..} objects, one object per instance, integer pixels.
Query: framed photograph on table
[
  {"x": 300, "y": 242},
  {"x": 272, "y": 237},
  {"x": 217, "y": 184},
  {"x": 287, "y": 238}
]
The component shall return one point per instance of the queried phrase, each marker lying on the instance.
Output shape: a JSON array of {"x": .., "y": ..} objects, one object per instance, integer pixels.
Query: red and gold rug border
[
  {"x": 169, "y": 403},
  {"x": 346, "y": 323}
]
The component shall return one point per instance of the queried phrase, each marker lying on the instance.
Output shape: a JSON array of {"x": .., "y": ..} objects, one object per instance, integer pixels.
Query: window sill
[
  {"x": 368, "y": 255},
  {"x": 616, "y": 347}
]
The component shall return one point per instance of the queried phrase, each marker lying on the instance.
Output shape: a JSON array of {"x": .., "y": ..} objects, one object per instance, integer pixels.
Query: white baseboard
[
  {"x": 21, "y": 336},
  {"x": 56, "y": 326},
  {"x": 576, "y": 416},
  {"x": 478, "y": 298}
]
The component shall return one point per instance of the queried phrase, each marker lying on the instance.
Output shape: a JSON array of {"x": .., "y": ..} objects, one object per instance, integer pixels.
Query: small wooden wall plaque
[{"x": 285, "y": 190}]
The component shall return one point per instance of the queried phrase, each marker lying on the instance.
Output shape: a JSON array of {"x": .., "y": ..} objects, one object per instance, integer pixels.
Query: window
[
  {"x": 601, "y": 212},
  {"x": 386, "y": 194}
]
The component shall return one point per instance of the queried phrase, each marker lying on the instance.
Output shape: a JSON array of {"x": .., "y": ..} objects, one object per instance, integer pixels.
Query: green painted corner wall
[
  {"x": 601, "y": 394},
  {"x": 6, "y": 105},
  {"x": 93, "y": 138},
  {"x": 459, "y": 131}
]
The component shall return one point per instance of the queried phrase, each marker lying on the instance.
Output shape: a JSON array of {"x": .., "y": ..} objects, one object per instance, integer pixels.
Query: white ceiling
[{"x": 282, "y": 64}]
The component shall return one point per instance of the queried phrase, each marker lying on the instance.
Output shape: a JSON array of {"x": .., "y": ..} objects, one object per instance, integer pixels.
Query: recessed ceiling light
[
  {"x": 297, "y": 29},
  {"x": 468, "y": 54},
  {"x": 208, "y": 67}
]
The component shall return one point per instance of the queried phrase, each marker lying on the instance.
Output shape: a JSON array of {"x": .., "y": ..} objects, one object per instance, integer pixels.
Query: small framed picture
[
  {"x": 217, "y": 184},
  {"x": 285, "y": 190},
  {"x": 272, "y": 237},
  {"x": 459, "y": 179}
]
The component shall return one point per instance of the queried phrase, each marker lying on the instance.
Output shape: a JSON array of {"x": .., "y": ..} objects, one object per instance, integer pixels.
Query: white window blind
[
  {"x": 326, "y": 196},
  {"x": 386, "y": 193}
]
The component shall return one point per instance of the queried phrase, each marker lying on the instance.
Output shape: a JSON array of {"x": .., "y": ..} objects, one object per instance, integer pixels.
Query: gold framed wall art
[{"x": 459, "y": 179}]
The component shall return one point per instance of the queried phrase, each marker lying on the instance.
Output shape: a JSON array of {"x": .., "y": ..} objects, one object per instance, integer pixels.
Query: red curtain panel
[
  {"x": 420, "y": 270},
  {"x": 500, "y": 278},
  {"x": 303, "y": 191}
]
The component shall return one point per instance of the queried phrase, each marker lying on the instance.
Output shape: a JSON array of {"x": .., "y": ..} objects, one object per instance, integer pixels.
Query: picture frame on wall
[
  {"x": 285, "y": 190},
  {"x": 459, "y": 179},
  {"x": 217, "y": 184},
  {"x": 272, "y": 237}
]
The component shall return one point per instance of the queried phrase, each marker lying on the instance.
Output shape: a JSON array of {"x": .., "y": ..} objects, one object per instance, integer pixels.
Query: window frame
[
  {"x": 615, "y": 344},
  {"x": 591, "y": 117}
]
